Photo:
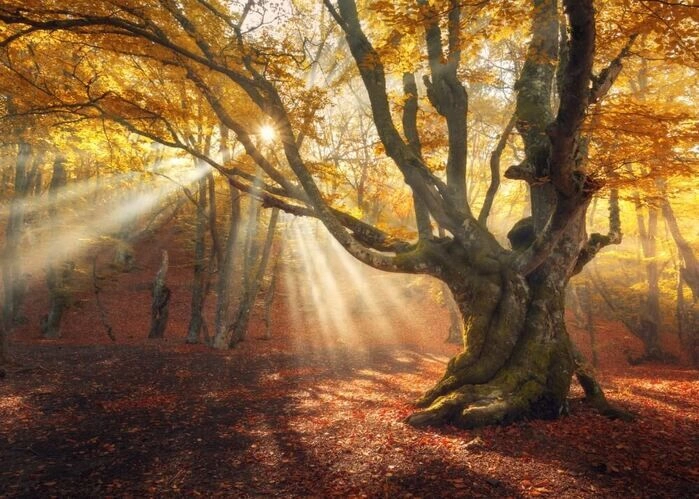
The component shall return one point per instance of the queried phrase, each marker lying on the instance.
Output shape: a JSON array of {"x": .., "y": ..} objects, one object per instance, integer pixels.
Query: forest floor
[{"x": 310, "y": 413}]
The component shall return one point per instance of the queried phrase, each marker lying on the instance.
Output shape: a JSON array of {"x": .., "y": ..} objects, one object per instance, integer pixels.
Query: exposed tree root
[
  {"x": 506, "y": 399},
  {"x": 523, "y": 372},
  {"x": 497, "y": 336},
  {"x": 594, "y": 395}
]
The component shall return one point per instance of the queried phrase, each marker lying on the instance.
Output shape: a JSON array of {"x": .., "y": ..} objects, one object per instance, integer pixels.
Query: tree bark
[
  {"x": 13, "y": 281},
  {"x": 196, "y": 319},
  {"x": 456, "y": 325},
  {"x": 239, "y": 327},
  {"x": 59, "y": 269},
  {"x": 517, "y": 361},
  {"x": 161, "y": 301}
]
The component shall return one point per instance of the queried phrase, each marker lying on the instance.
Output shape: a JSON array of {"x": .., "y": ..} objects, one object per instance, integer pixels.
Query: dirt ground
[{"x": 307, "y": 413}]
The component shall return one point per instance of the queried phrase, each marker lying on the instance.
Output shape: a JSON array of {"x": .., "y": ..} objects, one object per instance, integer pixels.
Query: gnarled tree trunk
[{"x": 518, "y": 361}]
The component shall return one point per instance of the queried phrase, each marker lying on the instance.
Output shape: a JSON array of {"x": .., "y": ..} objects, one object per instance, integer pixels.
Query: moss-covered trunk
[{"x": 517, "y": 362}]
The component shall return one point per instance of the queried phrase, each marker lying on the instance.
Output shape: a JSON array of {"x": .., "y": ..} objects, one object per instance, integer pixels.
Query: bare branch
[
  {"x": 424, "y": 183},
  {"x": 597, "y": 242},
  {"x": 495, "y": 170},
  {"x": 574, "y": 96}
]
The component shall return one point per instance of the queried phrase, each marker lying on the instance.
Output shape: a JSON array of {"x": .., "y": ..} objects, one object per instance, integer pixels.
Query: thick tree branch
[
  {"x": 597, "y": 242},
  {"x": 449, "y": 97},
  {"x": 364, "y": 233},
  {"x": 410, "y": 107},
  {"x": 572, "y": 188},
  {"x": 533, "y": 109},
  {"x": 574, "y": 97},
  {"x": 432, "y": 191}
]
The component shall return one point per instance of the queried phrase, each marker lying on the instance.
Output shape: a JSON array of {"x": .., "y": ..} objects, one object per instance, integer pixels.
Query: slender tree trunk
[
  {"x": 240, "y": 325},
  {"x": 687, "y": 323},
  {"x": 199, "y": 283},
  {"x": 216, "y": 250},
  {"x": 13, "y": 280},
  {"x": 690, "y": 270},
  {"x": 649, "y": 321},
  {"x": 226, "y": 267},
  {"x": 269, "y": 296},
  {"x": 124, "y": 257},
  {"x": 251, "y": 246},
  {"x": 586, "y": 305},
  {"x": 104, "y": 316},
  {"x": 59, "y": 270},
  {"x": 227, "y": 272},
  {"x": 4, "y": 344},
  {"x": 161, "y": 301}
]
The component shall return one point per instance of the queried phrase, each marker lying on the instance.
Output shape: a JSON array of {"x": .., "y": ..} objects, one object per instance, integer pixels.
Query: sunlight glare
[{"x": 267, "y": 133}]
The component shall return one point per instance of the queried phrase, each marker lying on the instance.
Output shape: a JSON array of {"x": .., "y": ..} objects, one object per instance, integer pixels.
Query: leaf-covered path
[{"x": 135, "y": 420}]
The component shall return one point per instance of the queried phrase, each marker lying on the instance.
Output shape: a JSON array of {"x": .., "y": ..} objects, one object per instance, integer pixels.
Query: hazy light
[
  {"x": 76, "y": 230},
  {"x": 334, "y": 297},
  {"x": 73, "y": 191},
  {"x": 267, "y": 133}
]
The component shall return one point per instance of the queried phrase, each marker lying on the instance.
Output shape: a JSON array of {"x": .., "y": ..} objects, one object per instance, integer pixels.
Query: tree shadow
[{"x": 132, "y": 420}]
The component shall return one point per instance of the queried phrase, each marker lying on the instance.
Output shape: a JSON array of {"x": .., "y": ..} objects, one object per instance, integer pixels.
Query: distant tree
[
  {"x": 60, "y": 268},
  {"x": 12, "y": 273},
  {"x": 160, "y": 308}
]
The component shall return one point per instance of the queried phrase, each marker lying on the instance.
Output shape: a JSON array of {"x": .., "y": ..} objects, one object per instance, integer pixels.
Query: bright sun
[{"x": 267, "y": 133}]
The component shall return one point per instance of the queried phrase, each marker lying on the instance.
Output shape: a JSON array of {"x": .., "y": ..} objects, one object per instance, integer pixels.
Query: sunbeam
[
  {"x": 367, "y": 302},
  {"x": 63, "y": 196},
  {"x": 311, "y": 284},
  {"x": 53, "y": 242},
  {"x": 349, "y": 303}
]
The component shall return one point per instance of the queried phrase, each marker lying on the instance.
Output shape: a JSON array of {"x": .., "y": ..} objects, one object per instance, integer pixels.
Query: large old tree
[{"x": 250, "y": 59}]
